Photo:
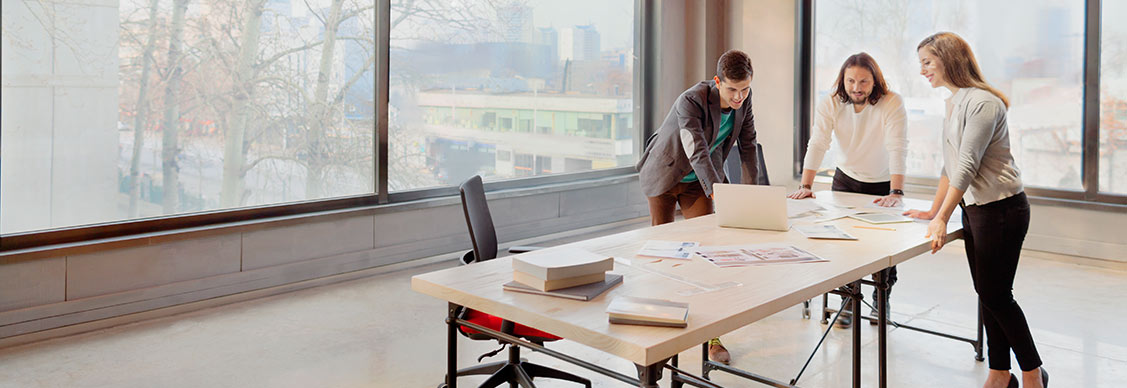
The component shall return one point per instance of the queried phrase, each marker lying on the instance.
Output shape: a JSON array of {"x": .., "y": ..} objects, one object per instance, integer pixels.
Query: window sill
[{"x": 152, "y": 238}]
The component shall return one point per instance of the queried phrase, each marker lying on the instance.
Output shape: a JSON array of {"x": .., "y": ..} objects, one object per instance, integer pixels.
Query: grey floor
[{"x": 376, "y": 332}]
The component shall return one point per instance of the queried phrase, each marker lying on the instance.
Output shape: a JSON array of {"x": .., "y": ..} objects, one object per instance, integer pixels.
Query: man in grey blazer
[{"x": 685, "y": 157}]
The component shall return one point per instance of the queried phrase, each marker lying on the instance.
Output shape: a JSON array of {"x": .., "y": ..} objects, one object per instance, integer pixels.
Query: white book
[
  {"x": 668, "y": 249},
  {"x": 549, "y": 285},
  {"x": 584, "y": 292},
  {"x": 559, "y": 263}
]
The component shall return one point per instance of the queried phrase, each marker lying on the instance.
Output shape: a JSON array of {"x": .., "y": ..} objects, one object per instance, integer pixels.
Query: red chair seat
[{"x": 494, "y": 323}]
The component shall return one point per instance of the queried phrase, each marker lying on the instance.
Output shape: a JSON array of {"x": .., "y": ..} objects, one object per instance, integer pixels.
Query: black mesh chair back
[
  {"x": 478, "y": 221},
  {"x": 734, "y": 172}
]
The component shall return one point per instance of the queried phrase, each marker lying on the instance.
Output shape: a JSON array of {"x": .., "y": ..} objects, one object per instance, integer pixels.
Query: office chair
[
  {"x": 734, "y": 171},
  {"x": 513, "y": 371}
]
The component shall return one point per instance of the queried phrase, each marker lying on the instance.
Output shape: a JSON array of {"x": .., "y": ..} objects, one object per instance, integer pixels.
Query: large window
[
  {"x": 508, "y": 89},
  {"x": 165, "y": 114},
  {"x": 1036, "y": 57},
  {"x": 140, "y": 108},
  {"x": 1113, "y": 99}
]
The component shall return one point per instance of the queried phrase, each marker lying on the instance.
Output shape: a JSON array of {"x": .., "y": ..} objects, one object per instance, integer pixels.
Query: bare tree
[
  {"x": 234, "y": 151},
  {"x": 170, "y": 147},
  {"x": 141, "y": 110}
]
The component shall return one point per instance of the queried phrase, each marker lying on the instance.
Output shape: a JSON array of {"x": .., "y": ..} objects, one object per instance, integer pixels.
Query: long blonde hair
[{"x": 959, "y": 66}]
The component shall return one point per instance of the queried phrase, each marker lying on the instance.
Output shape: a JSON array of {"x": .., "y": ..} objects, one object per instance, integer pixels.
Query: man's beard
[{"x": 859, "y": 100}]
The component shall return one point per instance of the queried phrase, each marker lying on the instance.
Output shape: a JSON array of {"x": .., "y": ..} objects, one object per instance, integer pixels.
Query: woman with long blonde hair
[{"x": 979, "y": 175}]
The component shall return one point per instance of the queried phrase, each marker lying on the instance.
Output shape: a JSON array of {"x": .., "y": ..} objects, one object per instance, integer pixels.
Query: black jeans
[
  {"x": 993, "y": 234},
  {"x": 845, "y": 183}
]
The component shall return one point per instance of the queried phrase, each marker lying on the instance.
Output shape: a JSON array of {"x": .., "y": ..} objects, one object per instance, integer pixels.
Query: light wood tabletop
[{"x": 720, "y": 299}]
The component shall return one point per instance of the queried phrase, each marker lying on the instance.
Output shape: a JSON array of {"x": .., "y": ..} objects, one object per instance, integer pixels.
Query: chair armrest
[{"x": 523, "y": 249}]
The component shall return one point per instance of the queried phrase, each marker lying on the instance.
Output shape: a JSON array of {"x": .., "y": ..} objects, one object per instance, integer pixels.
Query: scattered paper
[
  {"x": 800, "y": 207},
  {"x": 668, "y": 249},
  {"x": 830, "y": 232},
  {"x": 885, "y": 209},
  {"x": 881, "y": 218},
  {"x": 758, "y": 254}
]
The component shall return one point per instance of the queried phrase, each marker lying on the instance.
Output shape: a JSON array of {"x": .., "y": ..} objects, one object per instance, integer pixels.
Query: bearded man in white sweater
[{"x": 869, "y": 123}]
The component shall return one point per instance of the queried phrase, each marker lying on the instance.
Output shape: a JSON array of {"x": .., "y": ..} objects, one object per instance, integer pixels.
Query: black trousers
[
  {"x": 846, "y": 183},
  {"x": 993, "y": 234}
]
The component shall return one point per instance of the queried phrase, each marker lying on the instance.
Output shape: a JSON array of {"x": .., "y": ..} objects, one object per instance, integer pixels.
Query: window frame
[
  {"x": 644, "y": 30},
  {"x": 1089, "y": 198}
]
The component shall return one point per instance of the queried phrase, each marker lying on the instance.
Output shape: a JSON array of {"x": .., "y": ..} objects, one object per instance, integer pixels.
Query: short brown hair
[
  {"x": 959, "y": 66},
  {"x": 864, "y": 61},
  {"x": 733, "y": 65}
]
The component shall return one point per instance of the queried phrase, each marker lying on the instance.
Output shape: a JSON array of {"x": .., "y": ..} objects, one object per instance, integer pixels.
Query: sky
[{"x": 614, "y": 19}]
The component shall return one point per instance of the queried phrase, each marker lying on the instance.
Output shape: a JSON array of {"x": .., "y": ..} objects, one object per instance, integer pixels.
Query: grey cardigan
[
  {"x": 976, "y": 150},
  {"x": 693, "y": 123}
]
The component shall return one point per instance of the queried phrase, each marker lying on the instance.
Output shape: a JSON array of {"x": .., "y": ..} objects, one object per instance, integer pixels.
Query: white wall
[{"x": 765, "y": 30}]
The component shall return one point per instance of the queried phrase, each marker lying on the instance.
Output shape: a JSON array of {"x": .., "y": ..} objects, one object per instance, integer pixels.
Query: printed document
[
  {"x": 821, "y": 231},
  {"x": 757, "y": 254},
  {"x": 668, "y": 249}
]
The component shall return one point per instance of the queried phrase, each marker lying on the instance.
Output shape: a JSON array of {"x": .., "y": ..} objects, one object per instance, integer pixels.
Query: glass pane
[
  {"x": 509, "y": 89},
  {"x": 1113, "y": 99},
  {"x": 142, "y": 108},
  {"x": 1036, "y": 59}
]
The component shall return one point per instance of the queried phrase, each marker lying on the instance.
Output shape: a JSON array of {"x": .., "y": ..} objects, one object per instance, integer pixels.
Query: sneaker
[{"x": 717, "y": 352}]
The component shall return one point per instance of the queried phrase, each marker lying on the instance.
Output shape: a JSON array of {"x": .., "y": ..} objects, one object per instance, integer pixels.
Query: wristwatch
[
  {"x": 807, "y": 187},
  {"x": 896, "y": 192}
]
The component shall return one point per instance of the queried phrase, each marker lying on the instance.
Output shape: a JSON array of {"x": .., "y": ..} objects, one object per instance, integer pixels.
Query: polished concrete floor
[{"x": 376, "y": 332}]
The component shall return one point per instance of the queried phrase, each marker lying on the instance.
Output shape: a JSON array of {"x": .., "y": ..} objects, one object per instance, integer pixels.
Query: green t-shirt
[{"x": 725, "y": 130}]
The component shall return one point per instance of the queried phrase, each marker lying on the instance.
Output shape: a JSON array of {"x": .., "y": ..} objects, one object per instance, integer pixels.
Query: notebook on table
[{"x": 584, "y": 292}]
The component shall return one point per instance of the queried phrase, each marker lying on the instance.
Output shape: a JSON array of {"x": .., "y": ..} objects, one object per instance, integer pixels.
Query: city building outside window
[{"x": 473, "y": 82}]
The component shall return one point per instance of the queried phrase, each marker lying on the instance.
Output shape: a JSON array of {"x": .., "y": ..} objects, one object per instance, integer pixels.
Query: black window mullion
[
  {"x": 1090, "y": 172},
  {"x": 383, "y": 47},
  {"x": 803, "y": 83},
  {"x": 646, "y": 32}
]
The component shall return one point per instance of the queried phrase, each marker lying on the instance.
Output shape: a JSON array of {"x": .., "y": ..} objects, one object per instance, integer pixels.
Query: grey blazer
[{"x": 694, "y": 120}]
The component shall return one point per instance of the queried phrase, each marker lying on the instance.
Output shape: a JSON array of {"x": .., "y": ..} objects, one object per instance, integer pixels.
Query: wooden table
[{"x": 752, "y": 293}]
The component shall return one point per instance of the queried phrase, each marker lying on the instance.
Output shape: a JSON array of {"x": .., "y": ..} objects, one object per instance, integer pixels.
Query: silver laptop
[{"x": 751, "y": 206}]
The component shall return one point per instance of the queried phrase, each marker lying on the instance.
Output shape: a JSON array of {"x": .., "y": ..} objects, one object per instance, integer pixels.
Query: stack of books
[
  {"x": 570, "y": 273},
  {"x": 649, "y": 312}
]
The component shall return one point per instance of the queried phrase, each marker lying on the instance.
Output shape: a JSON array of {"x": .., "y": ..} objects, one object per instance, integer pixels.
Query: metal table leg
[
  {"x": 649, "y": 375},
  {"x": 452, "y": 346},
  {"x": 882, "y": 329},
  {"x": 856, "y": 288}
]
